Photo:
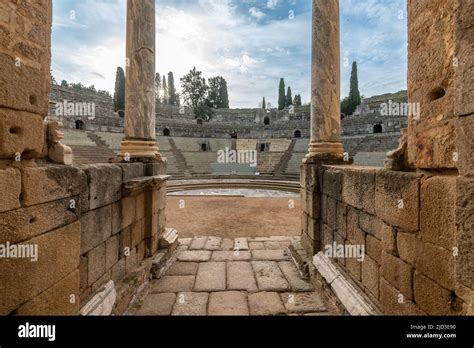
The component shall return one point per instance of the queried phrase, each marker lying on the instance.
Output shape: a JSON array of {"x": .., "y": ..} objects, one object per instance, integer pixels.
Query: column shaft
[{"x": 325, "y": 81}]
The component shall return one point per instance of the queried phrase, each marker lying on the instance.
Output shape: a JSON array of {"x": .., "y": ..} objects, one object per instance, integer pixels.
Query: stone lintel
[{"x": 138, "y": 185}]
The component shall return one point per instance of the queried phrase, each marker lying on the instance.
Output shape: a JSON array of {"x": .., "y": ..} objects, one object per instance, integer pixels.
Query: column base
[
  {"x": 140, "y": 149},
  {"x": 324, "y": 151}
]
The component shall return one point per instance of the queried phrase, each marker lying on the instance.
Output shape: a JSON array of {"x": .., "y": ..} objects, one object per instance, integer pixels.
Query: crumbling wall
[{"x": 405, "y": 225}]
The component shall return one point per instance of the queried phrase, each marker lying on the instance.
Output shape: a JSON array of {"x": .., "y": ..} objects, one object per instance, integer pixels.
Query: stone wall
[
  {"x": 87, "y": 226},
  {"x": 414, "y": 261}
]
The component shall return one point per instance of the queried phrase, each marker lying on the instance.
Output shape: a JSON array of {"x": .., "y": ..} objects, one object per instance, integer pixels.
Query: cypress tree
[
  {"x": 164, "y": 86},
  {"x": 289, "y": 98},
  {"x": 157, "y": 88},
  {"x": 281, "y": 95},
  {"x": 354, "y": 94},
  {"x": 264, "y": 104},
  {"x": 171, "y": 89},
  {"x": 119, "y": 93},
  {"x": 224, "y": 94}
]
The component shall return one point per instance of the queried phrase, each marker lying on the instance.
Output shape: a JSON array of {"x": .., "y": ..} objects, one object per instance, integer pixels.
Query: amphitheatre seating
[
  {"x": 113, "y": 140},
  {"x": 187, "y": 144},
  {"x": 77, "y": 138},
  {"x": 268, "y": 161},
  {"x": 84, "y": 149},
  {"x": 279, "y": 145},
  {"x": 199, "y": 162},
  {"x": 295, "y": 162},
  {"x": 371, "y": 159},
  {"x": 246, "y": 144},
  {"x": 301, "y": 145},
  {"x": 220, "y": 144}
]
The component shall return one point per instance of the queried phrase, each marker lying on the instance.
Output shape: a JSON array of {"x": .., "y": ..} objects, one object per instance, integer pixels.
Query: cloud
[
  {"x": 255, "y": 12},
  {"x": 233, "y": 39}
]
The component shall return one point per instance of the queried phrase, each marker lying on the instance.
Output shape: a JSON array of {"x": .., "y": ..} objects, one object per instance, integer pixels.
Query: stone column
[
  {"x": 325, "y": 82},
  {"x": 140, "y": 134}
]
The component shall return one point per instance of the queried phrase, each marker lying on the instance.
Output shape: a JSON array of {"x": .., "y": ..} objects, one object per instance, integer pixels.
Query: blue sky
[{"x": 251, "y": 43}]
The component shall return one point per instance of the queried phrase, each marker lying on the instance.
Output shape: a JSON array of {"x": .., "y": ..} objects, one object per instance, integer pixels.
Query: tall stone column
[
  {"x": 140, "y": 134},
  {"x": 325, "y": 82}
]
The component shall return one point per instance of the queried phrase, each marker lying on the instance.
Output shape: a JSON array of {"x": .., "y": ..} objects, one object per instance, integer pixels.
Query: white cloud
[
  {"x": 255, "y": 12},
  {"x": 272, "y": 4}
]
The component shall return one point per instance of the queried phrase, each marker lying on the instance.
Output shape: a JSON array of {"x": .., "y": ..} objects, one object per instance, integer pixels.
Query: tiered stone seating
[
  {"x": 172, "y": 166},
  {"x": 295, "y": 162},
  {"x": 279, "y": 145},
  {"x": 267, "y": 161},
  {"x": 164, "y": 143},
  {"x": 113, "y": 140},
  {"x": 76, "y": 138},
  {"x": 220, "y": 144},
  {"x": 187, "y": 144},
  {"x": 199, "y": 162},
  {"x": 301, "y": 145},
  {"x": 246, "y": 144}
]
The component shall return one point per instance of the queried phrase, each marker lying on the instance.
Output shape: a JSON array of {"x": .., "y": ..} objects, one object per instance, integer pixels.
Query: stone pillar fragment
[
  {"x": 325, "y": 82},
  {"x": 140, "y": 133}
]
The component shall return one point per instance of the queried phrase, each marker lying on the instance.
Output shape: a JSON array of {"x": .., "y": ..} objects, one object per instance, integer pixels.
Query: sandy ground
[{"x": 232, "y": 217}]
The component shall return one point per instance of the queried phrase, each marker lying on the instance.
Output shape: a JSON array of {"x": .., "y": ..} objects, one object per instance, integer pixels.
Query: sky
[{"x": 251, "y": 43}]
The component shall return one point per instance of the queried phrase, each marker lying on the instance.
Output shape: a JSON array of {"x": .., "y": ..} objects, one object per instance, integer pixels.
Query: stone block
[
  {"x": 22, "y": 279},
  {"x": 228, "y": 303},
  {"x": 328, "y": 236},
  {"x": 96, "y": 259},
  {"x": 10, "y": 186},
  {"x": 25, "y": 223},
  {"x": 359, "y": 188},
  {"x": 157, "y": 305},
  {"x": 292, "y": 274},
  {"x": 137, "y": 232},
  {"x": 341, "y": 223},
  {"x": 125, "y": 242},
  {"x": 398, "y": 273},
  {"x": 123, "y": 214},
  {"x": 266, "y": 303},
  {"x": 436, "y": 263},
  {"x": 269, "y": 276},
  {"x": 407, "y": 246},
  {"x": 96, "y": 228},
  {"x": 389, "y": 239},
  {"x": 83, "y": 273},
  {"x": 240, "y": 276},
  {"x": 241, "y": 244},
  {"x": 438, "y": 211},
  {"x": 157, "y": 168},
  {"x": 131, "y": 170},
  {"x": 105, "y": 184},
  {"x": 370, "y": 275},
  {"x": 332, "y": 183},
  {"x": 195, "y": 256},
  {"x": 331, "y": 213},
  {"x": 434, "y": 299},
  {"x": 55, "y": 301},
  {"x": 131, "y": 260},
  {"x": 354, "y": 267},
  {"x": 112, "y": 251},
  {"x": 25, "y": 87},
  {"x": 270, "y": 255},
  {"x": 191, "y": 303},
  {"x": 373, "y": 248},
  {"x": 118, "y": 271},
  {"x": 309, "y": 177},
  {"x": 371, "y": 225},
  {"x": 51, "y": 182},
  {"x": 172, "y": 284},
  {"x": 310, "y": 203},
  {"x": 183, "y": 268},
  {"x": 465, "y": 223},
  {"x": 464, "y": 145},
  {"x": 236, "y": 255},
  {"x": 211, "y": 276},
  {"x": 394, "y": 303},
  {"x": 314, "y": 229},
  {"x": 397, "y": 199},
  {"x": 140, "y": 206},
  {"x": 309, "y": 302}
]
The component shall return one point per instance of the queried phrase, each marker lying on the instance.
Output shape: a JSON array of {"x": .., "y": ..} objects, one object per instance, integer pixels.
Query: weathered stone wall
[
  {"x": 25, "y": 56},
  {"x": 88, "y": 229},
  {"x": 414, "y": 261}
]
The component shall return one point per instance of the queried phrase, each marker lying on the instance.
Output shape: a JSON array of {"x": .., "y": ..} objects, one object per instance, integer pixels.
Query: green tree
[
  {"x": 289, "y": 97},
  {"x": 349, "y": 106},
  {"x": 164, "y": 87},
  {"x": 264, "y": 103},
  {"x": 281, "y": 95},
  {"x": 119, "y": 94},
  {"x": 172, "y": 96},
  {"x": 218, "y": 97},
  {"x": 64, "y": 83},
  {"x": 297, "y": 100},
  {"x": 157, "y": 89},
  {"x": 194, "y": 92}
]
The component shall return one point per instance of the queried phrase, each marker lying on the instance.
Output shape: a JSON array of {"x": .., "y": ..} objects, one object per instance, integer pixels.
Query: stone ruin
[{"x": 100, "y": 230}]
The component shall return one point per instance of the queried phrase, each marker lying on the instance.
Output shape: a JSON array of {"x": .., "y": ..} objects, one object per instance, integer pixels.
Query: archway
[
  {"x": 266, "y": 121},
  {"x": 80, "y": 125},
  {"x": 378, "y": 128},
  {"x": 166, "y": 132},
  {"x": 298, "y": 134}
]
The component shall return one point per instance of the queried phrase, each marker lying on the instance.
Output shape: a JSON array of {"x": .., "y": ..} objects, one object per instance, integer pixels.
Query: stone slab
[
  {"x": 183, "y": 268},
  {"x": 241, "y": 244},
  {"x": 271, "y": 255},
  {"x": 191, "y": 303},
  {"x": 211, "y": 276},
  {"x": 256, "y": 246},
  {"x": 308, "y": 302},
  {"x": 240, "y": 276},
  {"x": 269, "y": 276},
  {"x": 231, "y": 255},
  {"x": 266, "y": 303},
  {"x": 293, "y": 276},
  {"x": 194, "y": 255},
  {"x": 228, "y": 303},
  {"x": 157, "y": 304},
  {"x": 198, "y": 243},
  {"x": 213, "y": 243}
]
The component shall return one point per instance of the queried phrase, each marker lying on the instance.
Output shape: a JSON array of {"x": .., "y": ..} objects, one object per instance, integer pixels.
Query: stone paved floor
[{"x": 245, "y": 276}]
